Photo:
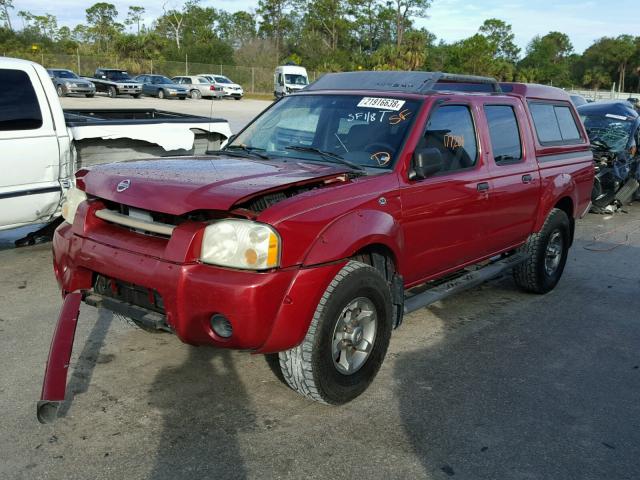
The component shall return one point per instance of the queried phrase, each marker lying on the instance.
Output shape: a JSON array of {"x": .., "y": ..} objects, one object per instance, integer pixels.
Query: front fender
[{"x": 352, "y": 232}]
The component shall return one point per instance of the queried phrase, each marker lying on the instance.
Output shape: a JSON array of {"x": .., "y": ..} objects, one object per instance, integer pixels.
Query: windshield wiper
[
  {"x": 332, "y": 157},
  {"x": 244, "y": 148}
]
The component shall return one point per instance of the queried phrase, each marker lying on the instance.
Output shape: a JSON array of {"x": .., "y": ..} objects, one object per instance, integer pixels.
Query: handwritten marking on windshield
[
  {"x": 368, "y": 117},
  {"x": 400, "y": 117},
  {"x": 382, "y": 158}
]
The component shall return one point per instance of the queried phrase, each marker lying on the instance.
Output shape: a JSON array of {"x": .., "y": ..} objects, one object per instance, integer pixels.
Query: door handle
[
  {"x": 483, "y": 186},
  {"x": 527, "y": 178}
]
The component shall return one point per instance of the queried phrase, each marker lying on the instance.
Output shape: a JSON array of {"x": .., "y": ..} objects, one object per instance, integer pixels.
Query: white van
[{"x": 288, "y": 79}]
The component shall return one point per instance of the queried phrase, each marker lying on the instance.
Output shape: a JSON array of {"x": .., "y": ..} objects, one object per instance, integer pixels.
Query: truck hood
[{"x": 177, "y": 185}]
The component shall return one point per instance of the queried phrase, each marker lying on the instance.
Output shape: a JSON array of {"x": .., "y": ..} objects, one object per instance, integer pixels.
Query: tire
[
  {"x": 547, "y": 251},
  {"x": 312, "y": 368},
  {"x": 112, "y": 92},
  {"x": 196, "y": 95},
  {"x": 161, "y": 94},
  {"x": 60, "y": 91},
  {"x": 182, "y": 98},
  {"x": 137, "y": 95},
  {"x": 89, "y": 95},
  {"x": 238, "y": 98}
]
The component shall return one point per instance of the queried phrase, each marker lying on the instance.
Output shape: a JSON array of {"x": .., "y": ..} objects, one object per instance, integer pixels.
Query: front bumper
[
  {"x": 268, "y": 311},
  {"x": 79, "y": 90}
]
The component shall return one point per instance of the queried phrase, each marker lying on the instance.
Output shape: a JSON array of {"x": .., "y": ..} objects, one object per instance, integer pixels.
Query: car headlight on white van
[
  {"x": 73, "y": 198},
  {"x": 239, "y": 243}
]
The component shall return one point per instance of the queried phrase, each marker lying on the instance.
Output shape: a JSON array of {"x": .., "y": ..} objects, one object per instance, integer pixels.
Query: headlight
[
  {"x": 70, "y": 204},
  {"x": 72, "y": 84},
  {"x": 241, "y": 244}
]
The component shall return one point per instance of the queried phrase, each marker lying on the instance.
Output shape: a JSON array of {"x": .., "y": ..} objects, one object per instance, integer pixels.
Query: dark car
[
  {"x": 67, "y": 82},
  {"x": 161, "y": 87},
  {"x": 116, "y": 82},
  {"x": 578, "y": 100},
  {"x": 613, "y": 128}
]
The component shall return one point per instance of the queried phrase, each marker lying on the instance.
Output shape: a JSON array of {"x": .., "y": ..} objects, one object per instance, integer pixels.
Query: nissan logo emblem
[{"x": 123, "y": 185}]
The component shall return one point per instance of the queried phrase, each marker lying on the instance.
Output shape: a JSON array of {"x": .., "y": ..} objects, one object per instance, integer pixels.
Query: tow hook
[{"x": 54, "y": 384}]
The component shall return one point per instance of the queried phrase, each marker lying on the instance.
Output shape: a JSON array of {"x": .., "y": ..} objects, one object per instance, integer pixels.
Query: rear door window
[
  {"x": 554, "y": 124},
  {"x": 450, "y": 129},
  {"x": 19, "y": 108},
  {"x": 505, "y": 135}
]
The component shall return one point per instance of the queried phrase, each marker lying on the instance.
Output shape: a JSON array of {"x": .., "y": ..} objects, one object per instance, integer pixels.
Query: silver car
[
  {"x": 67, "y": 82},
  {"x": 199, "y": 87},
  {"x": 230, "y": 89}
]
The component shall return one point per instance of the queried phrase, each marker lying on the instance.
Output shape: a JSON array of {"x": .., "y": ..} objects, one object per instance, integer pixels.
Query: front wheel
[
  {"x": 112, "y": 92},
  {"x": 347, "y": 339},
  {"x": 547, "y": 253},
  {"x": 136, "y": 95},
  {"x": 161, "y": 94},
  {"x": 60, "y": 91},
  {"x": 89, "y": 95}
]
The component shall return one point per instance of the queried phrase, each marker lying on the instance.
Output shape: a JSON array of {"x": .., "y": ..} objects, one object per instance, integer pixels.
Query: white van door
[{"x": 29, "y": 153}]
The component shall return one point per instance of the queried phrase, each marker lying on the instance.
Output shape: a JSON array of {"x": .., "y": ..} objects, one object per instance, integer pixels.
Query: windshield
[
  {"x": 292, "y": 79},
  {"x": 111, "y": 75},
  {"x": 64, "y": 74},
  {"x": 160, "y": 80},
  {"x": 366, "y": 131},
  {"x": 222, "y": 80},
  {"x": 610, "y": 131}
]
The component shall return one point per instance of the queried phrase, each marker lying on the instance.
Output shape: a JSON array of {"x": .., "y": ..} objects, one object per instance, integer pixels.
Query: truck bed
[{"x": 114, "y": 135}]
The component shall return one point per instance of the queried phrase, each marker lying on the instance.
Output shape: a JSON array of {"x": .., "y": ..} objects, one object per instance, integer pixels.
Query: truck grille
[{"x": 128, "y": 293}]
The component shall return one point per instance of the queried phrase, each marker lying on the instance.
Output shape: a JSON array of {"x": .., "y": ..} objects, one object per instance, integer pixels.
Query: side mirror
[{"x": 426, "y": 162}]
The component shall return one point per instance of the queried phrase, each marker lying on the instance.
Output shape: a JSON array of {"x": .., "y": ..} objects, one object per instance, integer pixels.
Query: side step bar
[
  {"x": 148, "y": 318},
  {"x": 468, "y": 280}
]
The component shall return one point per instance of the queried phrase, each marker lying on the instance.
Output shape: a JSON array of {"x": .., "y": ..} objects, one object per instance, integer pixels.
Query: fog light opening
[{"x": 221, "y": 326}]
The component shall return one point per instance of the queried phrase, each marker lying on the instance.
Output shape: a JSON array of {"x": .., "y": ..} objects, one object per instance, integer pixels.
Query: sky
[{"x": 583, "y": 20}]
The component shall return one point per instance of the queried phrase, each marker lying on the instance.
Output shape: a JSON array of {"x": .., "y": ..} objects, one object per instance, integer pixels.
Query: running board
[{"x": 468, "y": 280}]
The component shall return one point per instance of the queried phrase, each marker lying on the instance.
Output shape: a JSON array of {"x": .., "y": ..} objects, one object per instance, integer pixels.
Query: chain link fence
[{"x": 253, "y": 79}]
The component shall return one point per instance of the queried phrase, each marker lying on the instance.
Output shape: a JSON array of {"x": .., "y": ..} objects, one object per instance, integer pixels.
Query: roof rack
[{"x": 406, "y": 82}]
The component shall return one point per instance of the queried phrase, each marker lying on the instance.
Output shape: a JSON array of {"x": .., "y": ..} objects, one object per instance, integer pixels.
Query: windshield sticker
[
  {"x": 400, "y": 117},
  {"x": 382, "y": 158},
  {"x": 617, "y": 117},
  {"x": 384, "y": 103},
  {"x": 368, "y": 117},
  {"x": 453, "y": 141}
]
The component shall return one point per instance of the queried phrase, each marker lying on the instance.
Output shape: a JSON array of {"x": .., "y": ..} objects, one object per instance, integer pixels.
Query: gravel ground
[{"x": 491, "y": 384}]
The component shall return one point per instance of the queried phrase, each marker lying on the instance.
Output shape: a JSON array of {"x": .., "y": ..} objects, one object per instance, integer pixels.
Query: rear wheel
[
  {"x": 195, "y": 94},
  {"x": 347, "y": 339},
  {"x": 547, "y": 251},
  {"x": 112, "y": 92},
  {"x": 160, "y": 94}
]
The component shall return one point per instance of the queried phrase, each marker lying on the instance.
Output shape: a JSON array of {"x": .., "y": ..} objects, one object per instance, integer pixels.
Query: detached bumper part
[{"x": 54, "y": 384}]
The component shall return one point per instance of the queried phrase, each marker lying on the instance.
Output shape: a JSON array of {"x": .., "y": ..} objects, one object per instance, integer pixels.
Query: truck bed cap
[{"x": 405, "y": 82}]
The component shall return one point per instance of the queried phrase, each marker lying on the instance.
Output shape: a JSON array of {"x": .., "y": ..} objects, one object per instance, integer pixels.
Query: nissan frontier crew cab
[{"x": 305, "y": 237}]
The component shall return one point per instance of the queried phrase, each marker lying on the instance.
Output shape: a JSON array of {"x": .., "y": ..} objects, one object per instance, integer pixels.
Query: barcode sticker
[{"x": 381, "y": 103}]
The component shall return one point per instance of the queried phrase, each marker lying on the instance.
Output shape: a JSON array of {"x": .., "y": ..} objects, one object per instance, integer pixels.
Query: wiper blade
[
  {"x": 333, "y": 157},
  {"x": 244, "y": 148}
]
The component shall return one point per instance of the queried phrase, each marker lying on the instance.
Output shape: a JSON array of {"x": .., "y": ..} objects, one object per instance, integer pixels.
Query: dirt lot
[{"x": 491, "y": 384}]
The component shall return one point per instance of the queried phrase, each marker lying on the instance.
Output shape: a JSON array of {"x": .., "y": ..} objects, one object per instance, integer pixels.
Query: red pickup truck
[{"x": 305, "y": 237}]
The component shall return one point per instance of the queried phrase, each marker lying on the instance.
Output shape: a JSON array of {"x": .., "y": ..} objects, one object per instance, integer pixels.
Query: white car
[{"x": 229, "y": 88}]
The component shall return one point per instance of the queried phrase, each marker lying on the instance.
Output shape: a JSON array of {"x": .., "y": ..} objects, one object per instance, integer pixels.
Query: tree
[
  {"x": 550, "y": 56},
  {"x": 405, "y": 10},
  {"x": 238, "y": 28},
  {"x": 173, "y": 21},
  {"x": 274, "y": 21},
  {"x": 103, "y": 27},
  {"x": 5, "y": 5},
  {"x": 501, "y": 37},
  {"x": 135, "y": 16}
]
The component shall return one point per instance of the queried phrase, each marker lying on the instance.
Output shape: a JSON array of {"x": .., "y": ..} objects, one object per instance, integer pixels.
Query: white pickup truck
[{"x": 42, "y": 146}]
